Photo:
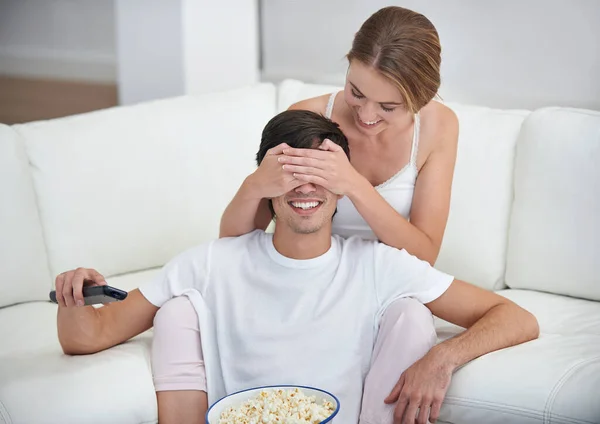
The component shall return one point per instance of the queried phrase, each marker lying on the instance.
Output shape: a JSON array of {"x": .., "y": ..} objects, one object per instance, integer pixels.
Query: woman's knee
[
  {"x": 177, "y": 359},
  {"x": 413, "y": 316},
  {"x": 174, "y": 312}
]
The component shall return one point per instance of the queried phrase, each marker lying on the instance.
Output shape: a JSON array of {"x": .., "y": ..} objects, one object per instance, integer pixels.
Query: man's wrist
[{"x": 447, "y": 355}]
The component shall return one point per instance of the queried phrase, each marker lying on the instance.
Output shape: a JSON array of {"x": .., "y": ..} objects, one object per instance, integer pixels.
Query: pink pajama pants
[{"x": 406, "y": 334}]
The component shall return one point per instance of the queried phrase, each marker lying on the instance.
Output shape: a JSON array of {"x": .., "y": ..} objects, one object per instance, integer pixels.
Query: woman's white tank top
[{"x": 397, "y": 191}]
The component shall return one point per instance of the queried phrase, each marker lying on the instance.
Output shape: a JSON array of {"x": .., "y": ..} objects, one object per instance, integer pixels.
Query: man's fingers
[
  {"x": 78, "y": 279},
  {"x": 277, "y": 150},
  {"x": 435, "y": 411},
  {"x": 393, "y": 396},
  {"x": 58, "y": 284},
  {"x": 411, "y": 411},
  {"x": 67, "y": 290},
  {"x": 96, "y": 277},
  {"x": 400, "y": 408},
  {"x": 423, "y": 412}
]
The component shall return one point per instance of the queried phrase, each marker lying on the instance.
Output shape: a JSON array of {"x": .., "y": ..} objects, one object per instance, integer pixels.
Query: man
[{"x": 302, "y": 307}]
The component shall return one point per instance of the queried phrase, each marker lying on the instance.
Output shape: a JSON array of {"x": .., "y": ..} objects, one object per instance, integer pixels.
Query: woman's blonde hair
[{"x": 405, "y": 47}]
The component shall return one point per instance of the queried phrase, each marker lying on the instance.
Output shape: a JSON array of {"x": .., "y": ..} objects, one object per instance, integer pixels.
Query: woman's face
[{"x": 376, "y": 104}]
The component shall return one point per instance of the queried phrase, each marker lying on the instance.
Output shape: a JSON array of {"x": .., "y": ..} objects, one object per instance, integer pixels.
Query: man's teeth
[{"x": 305, "y": 205}]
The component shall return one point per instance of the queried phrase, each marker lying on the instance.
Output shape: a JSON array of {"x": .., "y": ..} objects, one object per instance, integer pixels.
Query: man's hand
[
  {"x": 421, "y": 387},
  {"x": 69, "y": 285}
]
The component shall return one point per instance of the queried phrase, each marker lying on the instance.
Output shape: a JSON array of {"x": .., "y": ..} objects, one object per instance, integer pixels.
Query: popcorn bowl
[{"x": 235, "y": 400}]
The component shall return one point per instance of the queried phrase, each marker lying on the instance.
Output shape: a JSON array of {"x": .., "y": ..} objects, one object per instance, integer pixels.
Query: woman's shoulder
[
  {"x": 315, "y": 104},
  {"x": 439, "y": 118},
  {"x": 439, "y": 129}
]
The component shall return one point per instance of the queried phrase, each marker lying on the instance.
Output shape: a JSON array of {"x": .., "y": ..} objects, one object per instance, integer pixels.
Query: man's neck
[{"x": 301, "y": 246}]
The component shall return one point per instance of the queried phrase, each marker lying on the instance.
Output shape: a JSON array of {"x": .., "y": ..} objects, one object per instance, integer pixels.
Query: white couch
[{"x": 123, "y": 190}]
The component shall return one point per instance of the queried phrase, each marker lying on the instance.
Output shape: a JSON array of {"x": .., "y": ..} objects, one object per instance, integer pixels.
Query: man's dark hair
[{"x": 300, "y": 129}]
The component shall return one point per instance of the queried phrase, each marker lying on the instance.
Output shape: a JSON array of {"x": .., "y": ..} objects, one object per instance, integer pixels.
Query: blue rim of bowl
[{"x": 328, "y": 419}]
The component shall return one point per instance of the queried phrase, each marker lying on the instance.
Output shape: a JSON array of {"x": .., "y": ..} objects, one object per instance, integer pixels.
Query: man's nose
[{"x": 306, "y": 188}]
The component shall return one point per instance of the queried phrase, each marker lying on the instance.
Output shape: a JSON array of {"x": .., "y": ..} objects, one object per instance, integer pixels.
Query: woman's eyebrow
[{"x": 381, "y": 103}]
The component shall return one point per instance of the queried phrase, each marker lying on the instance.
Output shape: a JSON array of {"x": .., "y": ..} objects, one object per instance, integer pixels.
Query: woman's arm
[
  {"x": 249, "y": 209},
  {"x": 422, "y": 235},
  {"x": 246, "y": 212}
]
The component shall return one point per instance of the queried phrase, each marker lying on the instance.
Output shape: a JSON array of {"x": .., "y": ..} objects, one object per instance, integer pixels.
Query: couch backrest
[
  {"x": 554, "y": 239},
  {"x": 24, "y": 274},
  {"x": 128, "y": 188},
  {"x": 475, "y": 241}
]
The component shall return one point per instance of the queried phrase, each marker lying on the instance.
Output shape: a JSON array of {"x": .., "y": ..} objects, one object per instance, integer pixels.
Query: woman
[{"x": 396, "y": 187}]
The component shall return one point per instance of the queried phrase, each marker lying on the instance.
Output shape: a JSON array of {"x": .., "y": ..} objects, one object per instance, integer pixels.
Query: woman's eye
[
  {"x": 387, "y": 109},
  {"x": 357, "y": 95}
]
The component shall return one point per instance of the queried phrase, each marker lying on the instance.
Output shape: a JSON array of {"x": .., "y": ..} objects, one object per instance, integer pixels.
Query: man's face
[{"x": 306, "y": 209}]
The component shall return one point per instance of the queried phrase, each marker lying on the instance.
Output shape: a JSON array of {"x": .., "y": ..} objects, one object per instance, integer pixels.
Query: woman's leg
[
  {"x": 406, "y": 334},
  {"x": 178, "y": 364}
]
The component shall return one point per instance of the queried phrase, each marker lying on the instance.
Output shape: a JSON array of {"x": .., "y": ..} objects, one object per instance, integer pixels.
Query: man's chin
[{"x": 305, "y": 229}]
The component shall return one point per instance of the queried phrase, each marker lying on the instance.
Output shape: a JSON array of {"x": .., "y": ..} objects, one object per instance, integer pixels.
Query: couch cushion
[
  {"x": 474, "y": 245},
  {"x": 132, "y": 280},
  {"x": 24, "y": 274},
  {"x": 128, "y": 188},
  {"x": 554, "y": 239},
  {"x": 113, "y": 386},
  {"x": 553, "y": 379},
  {"x": 291, "y": 91}
]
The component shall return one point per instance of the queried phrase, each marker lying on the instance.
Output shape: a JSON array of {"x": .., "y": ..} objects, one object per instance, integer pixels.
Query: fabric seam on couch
[
  {"x": 32, "y": 167},
  {"x": 4, "y": 415},
  {"x": 560, "y": 383},
  {"x": 503, "y": 408}
]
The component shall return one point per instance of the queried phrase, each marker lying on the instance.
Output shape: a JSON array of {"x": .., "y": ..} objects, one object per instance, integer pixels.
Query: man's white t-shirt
[{"x": 266, "y": 319}]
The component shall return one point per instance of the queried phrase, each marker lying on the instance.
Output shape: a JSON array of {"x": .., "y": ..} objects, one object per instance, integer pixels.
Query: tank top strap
[
  {"x": 415, "y": 143},
  {"x": 329, "y": 109}
]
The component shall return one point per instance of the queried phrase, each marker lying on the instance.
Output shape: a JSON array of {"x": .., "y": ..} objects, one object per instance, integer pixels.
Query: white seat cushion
[
  {"x": 553, "y": 379},
  {"x": 128, "y": 188},
  {"x": 24, "y": 274},
  {"x": 113, "y": 386},
  {"x": 554, "y": 238}
]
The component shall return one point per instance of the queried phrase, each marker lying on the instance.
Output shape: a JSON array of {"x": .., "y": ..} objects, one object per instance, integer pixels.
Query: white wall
[
  {"x": 72, "y": 39},
  {"x": 149, "y": 49},
  {"x": 511, "y": 53},
  {"x": 176, "y": 47}
]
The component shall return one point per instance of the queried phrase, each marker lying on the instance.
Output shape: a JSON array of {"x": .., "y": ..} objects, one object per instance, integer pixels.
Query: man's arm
[
  {"x": 85, "y": 329},
  {"x": 492, "y": 321}
]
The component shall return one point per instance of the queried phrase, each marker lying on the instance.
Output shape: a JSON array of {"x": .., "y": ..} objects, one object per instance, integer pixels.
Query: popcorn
[{"x": 279, "y": 407}]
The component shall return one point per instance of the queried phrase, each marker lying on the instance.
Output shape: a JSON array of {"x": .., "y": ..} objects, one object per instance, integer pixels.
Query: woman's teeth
[
  {"x": 305, "y": 205},
  {"x": 370, "y": 122}
]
